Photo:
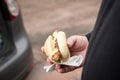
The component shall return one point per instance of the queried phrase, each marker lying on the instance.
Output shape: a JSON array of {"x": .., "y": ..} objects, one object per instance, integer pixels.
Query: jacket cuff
[{"x": 88, "y": 36}]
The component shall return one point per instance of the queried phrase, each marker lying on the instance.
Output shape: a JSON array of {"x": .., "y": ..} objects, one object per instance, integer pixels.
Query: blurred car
[{"x": 15, "y": 50}]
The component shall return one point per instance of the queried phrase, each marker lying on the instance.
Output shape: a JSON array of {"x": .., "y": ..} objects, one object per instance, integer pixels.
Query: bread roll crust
[
  {"x": 56, "y": 47},
  {"x": 62, "y": 43}
]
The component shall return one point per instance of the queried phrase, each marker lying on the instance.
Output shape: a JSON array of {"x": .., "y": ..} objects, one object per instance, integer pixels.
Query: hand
[{"x": 77, "y": 46}]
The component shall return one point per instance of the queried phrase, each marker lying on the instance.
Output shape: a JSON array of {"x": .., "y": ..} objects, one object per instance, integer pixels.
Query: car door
[{"x": 6, "y": 43}]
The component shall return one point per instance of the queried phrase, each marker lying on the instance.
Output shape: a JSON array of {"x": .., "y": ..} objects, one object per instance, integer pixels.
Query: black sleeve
[
  {"x": 102, "y": 60},
  {"x": 88, "y": 35}
]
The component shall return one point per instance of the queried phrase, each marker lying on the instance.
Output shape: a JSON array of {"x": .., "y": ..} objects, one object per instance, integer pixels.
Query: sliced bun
[
  {"x": 56, "y": 47},
  {"x": 63, "y": 45}
]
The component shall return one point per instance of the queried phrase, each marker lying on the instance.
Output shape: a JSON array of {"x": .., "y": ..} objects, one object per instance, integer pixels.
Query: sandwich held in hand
[{"x": 56, "y": 48}]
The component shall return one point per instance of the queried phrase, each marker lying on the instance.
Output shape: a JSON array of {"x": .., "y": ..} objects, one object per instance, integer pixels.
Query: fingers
[
  {"x": 63, "y": 68},
  {"x": 49, "y": 61},
  {"x": 71, "y": 41},
  {"x": 59, "y": 68},
  {"x": 42, "y": 49}
]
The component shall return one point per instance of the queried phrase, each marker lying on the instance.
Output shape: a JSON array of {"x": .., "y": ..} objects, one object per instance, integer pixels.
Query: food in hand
[{"x": 56, "y": 48}]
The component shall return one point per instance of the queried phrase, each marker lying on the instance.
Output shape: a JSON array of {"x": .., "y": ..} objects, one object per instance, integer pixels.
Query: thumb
[{"x": 71, "y": 41}]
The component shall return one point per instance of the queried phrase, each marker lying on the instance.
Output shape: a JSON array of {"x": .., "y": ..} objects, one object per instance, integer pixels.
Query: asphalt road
[{"x": 42, "y": 17}]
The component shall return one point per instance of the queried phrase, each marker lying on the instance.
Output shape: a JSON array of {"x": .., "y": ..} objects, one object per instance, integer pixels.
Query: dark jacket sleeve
[
  {"x": 102, "y": 60},
  {"x": 88, "y": 35}
]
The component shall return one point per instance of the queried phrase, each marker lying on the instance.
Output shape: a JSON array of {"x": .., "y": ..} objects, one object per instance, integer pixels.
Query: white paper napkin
[{"x": 73, "y": 61}]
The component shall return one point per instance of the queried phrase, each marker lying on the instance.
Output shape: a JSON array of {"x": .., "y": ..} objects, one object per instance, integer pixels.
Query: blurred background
[{"x": 42, "y": 17}]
